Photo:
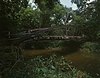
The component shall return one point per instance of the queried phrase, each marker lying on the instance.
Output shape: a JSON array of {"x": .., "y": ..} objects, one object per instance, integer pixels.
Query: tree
[
  {"x": 46, "y": 3},
  {"x": 8, "y": 10},
  {"x": 46, "y": 6},
  {"x": 90, "y": 11},
  {"x": 29, "y": 18}
]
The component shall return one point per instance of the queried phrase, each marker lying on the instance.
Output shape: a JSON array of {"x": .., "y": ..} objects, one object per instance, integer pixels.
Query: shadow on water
[{"x": 70, "y": 47}]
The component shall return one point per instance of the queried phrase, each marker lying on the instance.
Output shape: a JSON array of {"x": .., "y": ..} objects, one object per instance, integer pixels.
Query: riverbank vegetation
[
  {"x": 91, "y": 47},
  {"x": 44, "y": 67},
  {"x": 18, "y": 18}
]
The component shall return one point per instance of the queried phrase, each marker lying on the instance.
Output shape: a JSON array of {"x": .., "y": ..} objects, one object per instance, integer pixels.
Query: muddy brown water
[{"x": 84, "y": 61}]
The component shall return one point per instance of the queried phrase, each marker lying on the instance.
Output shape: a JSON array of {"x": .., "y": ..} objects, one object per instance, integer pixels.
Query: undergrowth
[{"x": 44, "y": 67}]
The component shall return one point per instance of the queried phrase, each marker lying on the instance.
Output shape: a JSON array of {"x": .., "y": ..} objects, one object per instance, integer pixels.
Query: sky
[{"x": 68, "y": 3}]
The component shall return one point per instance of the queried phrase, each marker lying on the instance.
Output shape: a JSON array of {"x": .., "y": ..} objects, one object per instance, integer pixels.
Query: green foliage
[
  {"x": 78, "y": 24},
  {"x": 8, "y": 10},
  {"x": 46, "y": 4},
  {"x": 40, "y": 67},
  {"x": 90, "y": 11},
  {"x": 91, "y": 47},
  {"x": 29, "y": 18},
  {"x": 23, "y": 17},
  {"x": 8, "y": 56},
  {"x": 59, "y": 15}
]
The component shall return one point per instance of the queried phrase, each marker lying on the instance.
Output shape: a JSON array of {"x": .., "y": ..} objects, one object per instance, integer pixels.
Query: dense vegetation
[
  {"x": 45, "y": 67},
  {"x": 21, "y": 15}
]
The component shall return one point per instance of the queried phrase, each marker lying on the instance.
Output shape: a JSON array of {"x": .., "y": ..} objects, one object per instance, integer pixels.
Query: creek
[{"x": 83, "y": 61}]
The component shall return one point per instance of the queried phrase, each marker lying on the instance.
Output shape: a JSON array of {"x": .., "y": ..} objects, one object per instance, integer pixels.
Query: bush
[
  {"x": 91, "y": 47},
  {"x": 49, "y": 67}
]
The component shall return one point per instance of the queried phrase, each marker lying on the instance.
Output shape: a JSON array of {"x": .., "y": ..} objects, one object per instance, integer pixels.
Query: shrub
[
  {"x": 45, "y": 67},
  {"x": 91, "y": 47}
]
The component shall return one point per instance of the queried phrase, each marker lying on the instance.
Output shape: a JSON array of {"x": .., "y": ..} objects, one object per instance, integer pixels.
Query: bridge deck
[{"x": 57, "y": 38}]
